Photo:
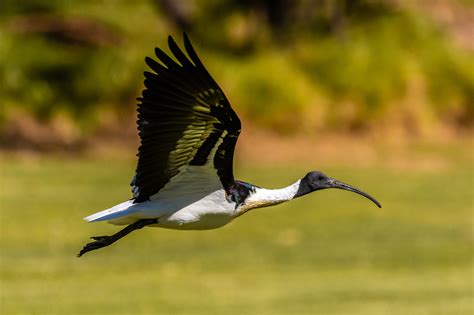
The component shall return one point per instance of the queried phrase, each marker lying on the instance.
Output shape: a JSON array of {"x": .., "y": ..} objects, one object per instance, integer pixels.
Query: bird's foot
[
  {"x": 99, "y": 242},
  {"x": 105, "y": 240}
]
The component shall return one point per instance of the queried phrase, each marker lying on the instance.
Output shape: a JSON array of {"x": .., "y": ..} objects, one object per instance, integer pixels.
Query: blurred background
[{"x": 378, "y": 93}]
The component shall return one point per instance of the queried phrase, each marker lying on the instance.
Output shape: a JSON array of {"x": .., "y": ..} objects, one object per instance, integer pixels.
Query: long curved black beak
[{"x": 340, "y": 185}]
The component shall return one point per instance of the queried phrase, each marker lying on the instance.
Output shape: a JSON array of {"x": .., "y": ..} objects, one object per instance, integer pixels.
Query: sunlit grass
[{"x": 328, "y": 253}]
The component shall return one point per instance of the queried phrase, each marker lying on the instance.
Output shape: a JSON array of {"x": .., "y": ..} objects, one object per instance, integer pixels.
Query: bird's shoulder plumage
[{"x": 184, "y": 119}]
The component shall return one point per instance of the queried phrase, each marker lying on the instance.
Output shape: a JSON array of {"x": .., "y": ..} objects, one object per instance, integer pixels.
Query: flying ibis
[{"x": 184, "y": 178}]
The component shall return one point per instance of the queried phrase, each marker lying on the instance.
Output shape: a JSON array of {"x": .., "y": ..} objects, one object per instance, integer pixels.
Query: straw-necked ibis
[{"x": 184, "y": 178}]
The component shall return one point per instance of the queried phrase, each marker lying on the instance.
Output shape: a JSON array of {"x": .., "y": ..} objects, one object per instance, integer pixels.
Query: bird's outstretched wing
[{"x": 184, "y": 119}]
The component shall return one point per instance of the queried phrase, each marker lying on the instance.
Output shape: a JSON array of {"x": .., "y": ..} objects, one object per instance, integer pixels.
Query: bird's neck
[{"x": 262, "y": 197}]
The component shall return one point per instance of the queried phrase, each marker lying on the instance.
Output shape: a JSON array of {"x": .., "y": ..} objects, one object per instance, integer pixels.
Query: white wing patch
[{"x": 192, "y": 180}]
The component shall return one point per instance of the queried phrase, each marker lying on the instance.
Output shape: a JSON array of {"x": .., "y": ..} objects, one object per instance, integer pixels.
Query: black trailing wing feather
[{"x": 182, "y": 116}]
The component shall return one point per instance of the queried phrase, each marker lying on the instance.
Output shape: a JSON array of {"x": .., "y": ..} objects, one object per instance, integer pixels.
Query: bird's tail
[{"x": 118, "y": 211}]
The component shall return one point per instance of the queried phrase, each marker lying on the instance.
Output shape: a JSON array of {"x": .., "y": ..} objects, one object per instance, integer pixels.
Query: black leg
[{"x": 102, "y": 241}]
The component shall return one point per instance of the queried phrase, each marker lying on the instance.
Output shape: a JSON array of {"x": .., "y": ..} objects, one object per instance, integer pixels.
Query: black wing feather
[
  {"x": 178, "y": 53},
  {"x": 182, "y": 116},
  {"x": 164, "y": 58}
]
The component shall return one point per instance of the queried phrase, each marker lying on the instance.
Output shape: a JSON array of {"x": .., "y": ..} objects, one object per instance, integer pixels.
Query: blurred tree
[
  {"x": 180, "y": 12},
  {"x": 349, "y": 61}
]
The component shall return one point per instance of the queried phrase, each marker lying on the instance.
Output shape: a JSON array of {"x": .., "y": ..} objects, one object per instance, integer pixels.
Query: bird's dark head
[{"x": 317, "y": 180}]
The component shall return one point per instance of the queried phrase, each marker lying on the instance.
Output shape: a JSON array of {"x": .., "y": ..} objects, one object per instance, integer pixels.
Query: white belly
[
  {"x": 210, "y": 212},
  {"x": 184, "y": 220}
]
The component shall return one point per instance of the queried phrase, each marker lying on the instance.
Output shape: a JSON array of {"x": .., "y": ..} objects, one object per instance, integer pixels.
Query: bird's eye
[{"x": 321, "y": 177}]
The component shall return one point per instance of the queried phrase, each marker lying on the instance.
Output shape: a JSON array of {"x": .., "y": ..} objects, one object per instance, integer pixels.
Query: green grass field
[{"x": 331, "y": 252}]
